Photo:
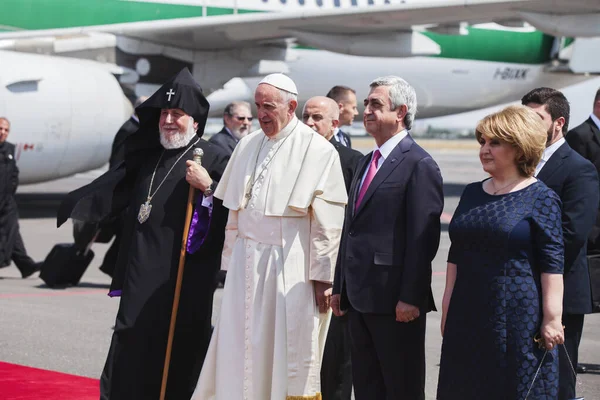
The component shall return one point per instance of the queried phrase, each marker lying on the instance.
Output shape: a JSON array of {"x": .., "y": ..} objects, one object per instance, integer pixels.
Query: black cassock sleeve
[{"x": 103, "y": 198}]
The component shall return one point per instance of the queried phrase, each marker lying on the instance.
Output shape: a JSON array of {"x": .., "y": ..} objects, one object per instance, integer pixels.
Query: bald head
[
  {"x": 322, "y": 114},
  {"x": 4, "y": 129}
]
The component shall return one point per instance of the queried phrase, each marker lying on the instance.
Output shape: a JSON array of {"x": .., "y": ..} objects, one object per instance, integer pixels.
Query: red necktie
[{"x": 370, "y": 175}]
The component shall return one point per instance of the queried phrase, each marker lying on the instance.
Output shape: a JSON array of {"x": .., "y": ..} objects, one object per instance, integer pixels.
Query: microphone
[{"x": 198, "y": 153}]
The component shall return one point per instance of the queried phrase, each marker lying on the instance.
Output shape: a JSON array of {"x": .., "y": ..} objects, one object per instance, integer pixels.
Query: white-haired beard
[{"x": 178, "y": 139}]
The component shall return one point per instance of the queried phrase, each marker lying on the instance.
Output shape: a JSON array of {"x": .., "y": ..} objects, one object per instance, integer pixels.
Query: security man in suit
[
  {"x": 322, "y": 115},
  {"x": 345, "y": 98},
  {"x": 11, "y": 242},
  {"x": 237, "y": 122},
  {"x": 585, "y": 139},
  {"x": 575, "y": 180},
  {"x": 391, "y": 235}
]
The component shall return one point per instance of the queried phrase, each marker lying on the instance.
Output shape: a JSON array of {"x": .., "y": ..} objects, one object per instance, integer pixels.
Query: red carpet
[{"x": 18, "y": 382}]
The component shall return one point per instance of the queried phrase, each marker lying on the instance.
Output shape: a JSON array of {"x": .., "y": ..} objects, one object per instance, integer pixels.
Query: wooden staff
[{"x": 198, "y": 153}]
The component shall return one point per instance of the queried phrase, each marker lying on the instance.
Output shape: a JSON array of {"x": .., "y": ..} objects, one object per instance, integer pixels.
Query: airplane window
[
  {"x": 320, "y": 3},
  {"x": 23, "y": 87},
  {"x": 301, "y": 2},
  {"x": 354, "y": 3},
  {"x": 336, "y": 3}
]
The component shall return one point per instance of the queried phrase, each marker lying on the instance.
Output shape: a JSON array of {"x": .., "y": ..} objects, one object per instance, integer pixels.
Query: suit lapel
[
  {"x": 553, "y": 164},
  {"x": 391, "y": 162},
  {"x": 595, "y": 130},
  {"x": 344, "y": 138},
  {"x": 232, "y": 142}
]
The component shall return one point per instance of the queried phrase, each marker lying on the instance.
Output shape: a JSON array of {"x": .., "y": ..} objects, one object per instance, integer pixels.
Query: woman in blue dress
[{"x": 504, "y": 280}]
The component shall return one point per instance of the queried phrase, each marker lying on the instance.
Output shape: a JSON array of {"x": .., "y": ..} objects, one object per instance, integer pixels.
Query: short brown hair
[
  {"x": 520, "y": 127},
  {"x": 339, "y": 93},
  {"x": 555, "y": 103}
]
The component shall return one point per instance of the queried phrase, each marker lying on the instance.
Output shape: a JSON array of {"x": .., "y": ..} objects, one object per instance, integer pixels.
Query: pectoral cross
[{"x": 170, "y": 93}]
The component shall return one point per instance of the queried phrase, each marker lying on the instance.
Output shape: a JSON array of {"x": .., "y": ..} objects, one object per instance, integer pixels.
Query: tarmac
[{"x": 69, "y": 330}]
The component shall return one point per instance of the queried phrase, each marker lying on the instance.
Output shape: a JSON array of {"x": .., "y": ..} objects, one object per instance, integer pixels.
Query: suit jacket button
[{"x": 351, "y": 233}]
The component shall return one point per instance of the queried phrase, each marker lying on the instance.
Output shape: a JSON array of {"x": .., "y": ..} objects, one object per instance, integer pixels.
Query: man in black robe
[
  {"x": 11, "y": 242},
  {"x": 152, "y": 183}
]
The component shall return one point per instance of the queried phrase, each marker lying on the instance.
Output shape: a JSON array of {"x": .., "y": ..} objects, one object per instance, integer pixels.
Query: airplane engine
[{"x": 63, "y": 112}]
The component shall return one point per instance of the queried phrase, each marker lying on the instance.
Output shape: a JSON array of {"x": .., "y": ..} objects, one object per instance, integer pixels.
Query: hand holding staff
[{"x": 198, "y": 153}]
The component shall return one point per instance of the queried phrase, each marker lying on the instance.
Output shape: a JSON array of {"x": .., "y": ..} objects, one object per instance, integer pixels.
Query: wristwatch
[{"x": 209, "y": 190}]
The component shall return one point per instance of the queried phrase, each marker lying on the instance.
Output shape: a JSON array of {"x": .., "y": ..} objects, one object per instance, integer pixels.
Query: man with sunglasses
[{"x": 237, "y": 121}]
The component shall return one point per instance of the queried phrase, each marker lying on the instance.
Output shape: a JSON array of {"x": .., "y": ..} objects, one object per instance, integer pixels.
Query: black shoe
[
  {"x": 581, "y": 369},
  {"x": 30, "y": 270}
]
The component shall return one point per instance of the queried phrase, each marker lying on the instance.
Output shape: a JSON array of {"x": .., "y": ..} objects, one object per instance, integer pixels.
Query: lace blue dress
[{"x": 501, "y": 244}]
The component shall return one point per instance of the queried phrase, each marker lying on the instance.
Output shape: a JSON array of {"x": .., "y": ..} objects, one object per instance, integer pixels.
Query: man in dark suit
[
  {"x": 237, "y": 122},
  {"x": 585, "y": 139},
  {"x": 345, "y": 98},
  {"x": 12, "y": 247},
  {"x": 575, "y": 180},
  {"x": 322, "y": 115},
  {"x": 391, "y": 235}
]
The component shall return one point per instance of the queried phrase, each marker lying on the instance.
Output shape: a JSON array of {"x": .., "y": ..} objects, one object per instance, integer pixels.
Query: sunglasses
[{"x": 243, "y": 118}]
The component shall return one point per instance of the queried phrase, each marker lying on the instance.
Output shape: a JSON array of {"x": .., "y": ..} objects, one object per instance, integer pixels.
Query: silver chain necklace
[
  {"x": 146, "y": 207},
  {"x": 255, "y": 177}
]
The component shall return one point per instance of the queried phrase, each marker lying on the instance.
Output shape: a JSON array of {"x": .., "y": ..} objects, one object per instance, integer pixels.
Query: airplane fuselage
[
  {"x": 64, "y": 114},
  {"x": 461, "y": 69}
]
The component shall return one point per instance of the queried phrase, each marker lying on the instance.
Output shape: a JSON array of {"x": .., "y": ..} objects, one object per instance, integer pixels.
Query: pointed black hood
[{"x": 181, "y": 91}]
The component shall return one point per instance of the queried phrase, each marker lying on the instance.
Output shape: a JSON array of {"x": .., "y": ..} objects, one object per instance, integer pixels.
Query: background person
[
  {"x": 12, "y": 247},
  {"x": 345, "y": 97},
  {"x": 575, "y": 180},
  {"x": 322, "y": 114},
  {"x": 237, "y": 123}
]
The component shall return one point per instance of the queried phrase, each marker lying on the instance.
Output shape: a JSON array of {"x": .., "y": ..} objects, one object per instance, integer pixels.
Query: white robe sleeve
[
  {"x": 326, "y": 222},
  {"x": 231, "y": 230},
  {"x": 325, "y": 231}
]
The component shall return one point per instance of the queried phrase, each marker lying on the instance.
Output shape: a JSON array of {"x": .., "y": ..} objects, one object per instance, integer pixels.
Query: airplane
[
  {"x": 64, "y": 114},
  {"x": 459, "y": 55}
]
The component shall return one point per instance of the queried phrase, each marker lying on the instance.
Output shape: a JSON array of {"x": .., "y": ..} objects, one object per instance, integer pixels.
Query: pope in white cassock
[{"x": 285, "y": 193}]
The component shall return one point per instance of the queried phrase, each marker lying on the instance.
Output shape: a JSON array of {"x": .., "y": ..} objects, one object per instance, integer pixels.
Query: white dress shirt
[
  {"x": 547, "y": 154},
  {"x": 385, "y": 151},
  {"x": 340, "y": 138}
]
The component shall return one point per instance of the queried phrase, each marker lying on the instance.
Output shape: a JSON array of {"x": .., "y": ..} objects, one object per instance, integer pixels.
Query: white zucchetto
[{"x": 280, "y": 81}]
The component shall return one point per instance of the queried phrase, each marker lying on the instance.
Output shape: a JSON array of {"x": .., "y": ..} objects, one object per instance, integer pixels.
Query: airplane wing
[{"x": 312, "y": 27}]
